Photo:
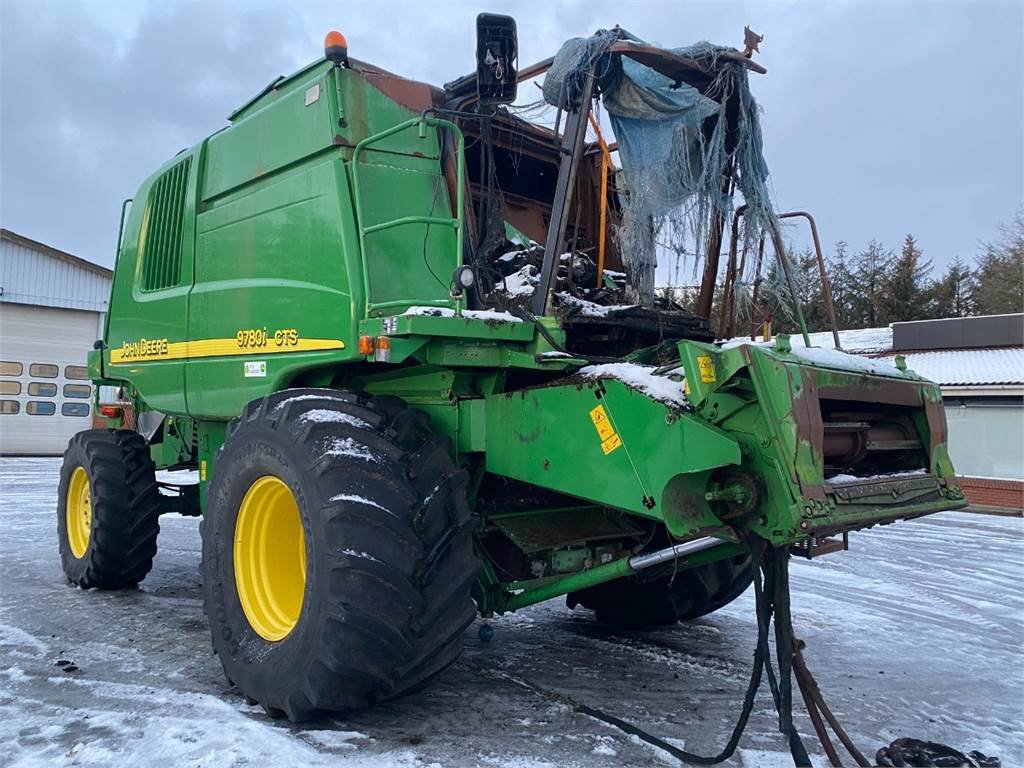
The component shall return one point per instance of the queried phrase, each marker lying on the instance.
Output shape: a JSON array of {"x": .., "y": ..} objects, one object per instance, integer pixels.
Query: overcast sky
[{"x": 882, "y": 118}]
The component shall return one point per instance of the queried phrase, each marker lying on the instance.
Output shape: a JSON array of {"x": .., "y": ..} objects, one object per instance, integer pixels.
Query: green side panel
[
  {"x": 274, "y": 262},
  {"x": 411, "y": 264},
  {"x": 149, "y": 293},
  {"x": 658, "y": 466},
  {"x": 269, "y": 139}
]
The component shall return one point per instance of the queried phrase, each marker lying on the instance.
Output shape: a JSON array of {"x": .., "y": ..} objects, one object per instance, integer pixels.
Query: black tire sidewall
[
  {"x": 244, "y": 653},
  {"x": 74, "y": 457}
]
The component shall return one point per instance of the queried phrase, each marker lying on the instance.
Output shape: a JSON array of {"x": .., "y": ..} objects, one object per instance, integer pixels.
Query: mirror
[{"x": 497, "y": 59}]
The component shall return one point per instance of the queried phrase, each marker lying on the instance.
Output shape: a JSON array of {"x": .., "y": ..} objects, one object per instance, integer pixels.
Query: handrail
[
  {"x": 727, "y": 326},
  {"x": 456, "y": 223}
]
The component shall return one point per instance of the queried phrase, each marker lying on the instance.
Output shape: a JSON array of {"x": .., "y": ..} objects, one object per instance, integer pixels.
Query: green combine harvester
[{"x": 393, "y": 435}]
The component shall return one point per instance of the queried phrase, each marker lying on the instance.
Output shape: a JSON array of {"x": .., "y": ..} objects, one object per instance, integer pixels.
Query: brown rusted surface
[
  {"x": 810, "y": 429},
  {"x": 411, "y": 94},
  {"x": 675, "y": 66},
  {"x": 526, "y": 73},
  {"x": 526, "y": 215},
  {"x": 935, "y": 412},
  {"x": 886, "y": 391}
]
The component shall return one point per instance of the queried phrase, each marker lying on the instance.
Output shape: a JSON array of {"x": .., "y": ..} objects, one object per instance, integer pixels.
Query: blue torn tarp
[{"x": 680, "y": 156}]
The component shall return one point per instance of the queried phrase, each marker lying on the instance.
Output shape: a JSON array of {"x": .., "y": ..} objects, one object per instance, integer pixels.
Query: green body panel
[
  {"x": 289, "y": 253},
  {"x": 658, "y": 469},
  {"x": 270, "y": 270}
]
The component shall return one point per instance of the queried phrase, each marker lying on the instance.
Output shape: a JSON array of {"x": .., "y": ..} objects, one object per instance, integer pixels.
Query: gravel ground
[{"x": 918, "y": 631}]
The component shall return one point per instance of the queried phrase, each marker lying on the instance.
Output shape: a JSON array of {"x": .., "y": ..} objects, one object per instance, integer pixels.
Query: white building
[{"x": 52, "y": 307}]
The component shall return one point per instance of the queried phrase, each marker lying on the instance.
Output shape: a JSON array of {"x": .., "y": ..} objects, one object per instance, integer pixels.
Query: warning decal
[
  {"x": 707, "y": 369},
  {"x": 605, "y": 431}
]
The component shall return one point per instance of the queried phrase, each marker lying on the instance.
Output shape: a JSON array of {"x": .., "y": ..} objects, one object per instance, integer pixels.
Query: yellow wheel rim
[
  {"x": 78, "y": 511},
  {"x": 270, "y": 558}
]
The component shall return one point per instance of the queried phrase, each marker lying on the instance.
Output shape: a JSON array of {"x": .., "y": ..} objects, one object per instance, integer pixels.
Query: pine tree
[
  {"x": 906, "y": 285},
  {"x": 842, "y": 286},
  {"x": 870, "y": 267},
  {"x": 952, "y": 295},
  {"x": 1000, "y": 272}
]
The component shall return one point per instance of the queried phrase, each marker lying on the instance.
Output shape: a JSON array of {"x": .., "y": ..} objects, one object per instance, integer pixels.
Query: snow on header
[
  {"x": 469, "y": 314},
  {"x": 642, "y": 378},
  {"x": 832, "y": 358}
]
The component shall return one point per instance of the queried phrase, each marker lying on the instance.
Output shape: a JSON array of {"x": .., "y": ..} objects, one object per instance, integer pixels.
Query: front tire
[
  {"x": 108, "y": 507},
  {"x": 358, "y": 587}
]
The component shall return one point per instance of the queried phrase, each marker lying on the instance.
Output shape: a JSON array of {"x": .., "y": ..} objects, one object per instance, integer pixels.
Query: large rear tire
[
  {"x": 635, "y": 604},
  {"x": 108, "y": 507},
  {"x": 337, "y": 552}
]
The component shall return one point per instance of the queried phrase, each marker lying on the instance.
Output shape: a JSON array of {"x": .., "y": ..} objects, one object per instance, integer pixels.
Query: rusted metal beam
[
  {"x": 526, "y": 73},
  {"x": 672, "y": 64},
  {"x": 826, "y": 286}
]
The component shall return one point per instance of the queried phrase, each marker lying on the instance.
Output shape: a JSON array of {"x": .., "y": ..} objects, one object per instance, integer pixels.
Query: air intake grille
[{"x": 161, "y": 246}]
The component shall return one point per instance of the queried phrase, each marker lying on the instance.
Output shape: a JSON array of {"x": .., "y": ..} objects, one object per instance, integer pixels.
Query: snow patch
[
  {"x": 642, "y": 378},
  {"x": 297, "y": 398},
  {"x": 830, "y": 358},
  {"x": 362, "y": 555},
  {"x": 589, "y": 308},
  {"x": 469, "y": 314},
  {"x": 359, "y": 500},
  {"x": 833, "y": 358},
  {"x": 847, "y": 479},
  {"x": 346, "y": 446},
  {"x": 334, "y": 739},
  {"x": 323, "y": 415},
  {"x": 521, "y": 283},
  {"x": 178, "y": 476}
]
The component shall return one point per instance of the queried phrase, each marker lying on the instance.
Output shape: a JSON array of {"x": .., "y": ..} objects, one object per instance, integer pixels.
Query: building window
[
  {"x": 42, "y": 389},
  {"x": 40, "y": 408},
  {"x": 8, "y": 407},
  {"x": 43, "y": 370},
  {"x": 77, "y": 390},
  {"x": 10, "y": 387},
  {"x": 75, "y": 409},
  {"x": 79, "y": 372},
  {"x": 10, "y": 369}
]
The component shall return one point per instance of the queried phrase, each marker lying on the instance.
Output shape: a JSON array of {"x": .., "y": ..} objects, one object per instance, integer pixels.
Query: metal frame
[
  {"x": 727, "y": 328},
  {"x": 572, "y": 148}
]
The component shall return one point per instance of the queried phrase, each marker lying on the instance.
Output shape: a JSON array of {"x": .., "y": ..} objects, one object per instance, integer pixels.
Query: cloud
[{"x": 881, "y": 118}]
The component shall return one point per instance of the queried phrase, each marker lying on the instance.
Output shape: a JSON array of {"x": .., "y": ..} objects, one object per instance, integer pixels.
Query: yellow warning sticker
[
  {"x": 605, "y": 431},
  {"x": 611, "y": 444},
  {"x": 602, "y": 423},
  {"x": 707, "y": 369}
]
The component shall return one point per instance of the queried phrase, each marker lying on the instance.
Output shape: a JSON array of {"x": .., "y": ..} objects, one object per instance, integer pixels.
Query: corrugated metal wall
[{"x": 28, "y": 276}]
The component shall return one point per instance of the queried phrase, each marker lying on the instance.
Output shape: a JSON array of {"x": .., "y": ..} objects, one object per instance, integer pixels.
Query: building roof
[
  {"x": 1001, "y": 366},
  {"x": 963, "y": 365},
  {"x": 980, "y": 332},
  {"x": 35, "y": 273}
]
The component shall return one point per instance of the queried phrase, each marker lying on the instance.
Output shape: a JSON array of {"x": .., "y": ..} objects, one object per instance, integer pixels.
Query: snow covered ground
[{"x": 917, "y": 631}]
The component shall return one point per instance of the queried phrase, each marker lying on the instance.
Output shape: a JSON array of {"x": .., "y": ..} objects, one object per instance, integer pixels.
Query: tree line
[{"x": 877, "y": 285}]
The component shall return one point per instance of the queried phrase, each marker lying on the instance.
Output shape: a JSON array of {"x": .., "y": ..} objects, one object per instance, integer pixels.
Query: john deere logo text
[{"x": 143, "y": 348}]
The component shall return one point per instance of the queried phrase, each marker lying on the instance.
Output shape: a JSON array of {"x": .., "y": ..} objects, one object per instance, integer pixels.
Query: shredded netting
[{"x": 679, "y": 166}]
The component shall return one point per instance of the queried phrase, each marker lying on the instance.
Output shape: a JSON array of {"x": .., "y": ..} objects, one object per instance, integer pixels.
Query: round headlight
[{"x": 464, "y": 277}]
